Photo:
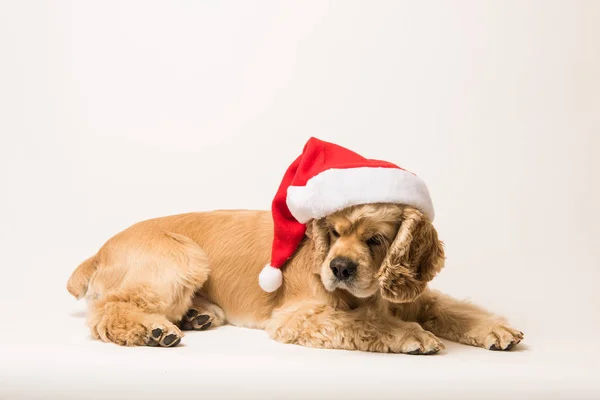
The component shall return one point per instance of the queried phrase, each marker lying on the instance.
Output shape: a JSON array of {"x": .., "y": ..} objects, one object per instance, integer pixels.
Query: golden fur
[{"x": 200, "y": 270}]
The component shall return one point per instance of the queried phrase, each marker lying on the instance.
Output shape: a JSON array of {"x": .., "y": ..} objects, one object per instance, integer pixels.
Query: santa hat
[{"x": 327, "y": 178}]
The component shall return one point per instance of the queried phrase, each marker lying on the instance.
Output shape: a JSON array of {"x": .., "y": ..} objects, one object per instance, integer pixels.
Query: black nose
[{"x": 343, "y": 268}]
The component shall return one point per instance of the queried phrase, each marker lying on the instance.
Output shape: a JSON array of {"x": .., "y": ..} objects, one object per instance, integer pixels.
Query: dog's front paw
[
  {"x": 498, "y": 336},
  {"x": 417, "y": 342}
]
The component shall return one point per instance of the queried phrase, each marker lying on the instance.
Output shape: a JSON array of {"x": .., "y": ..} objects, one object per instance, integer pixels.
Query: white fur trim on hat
[
  {"x": 270, "y": 278},
  {"x": 335, "y": 189}
]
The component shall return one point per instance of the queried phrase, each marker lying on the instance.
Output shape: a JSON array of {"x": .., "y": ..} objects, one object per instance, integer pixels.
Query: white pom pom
[{"x": 270, "y": 278}]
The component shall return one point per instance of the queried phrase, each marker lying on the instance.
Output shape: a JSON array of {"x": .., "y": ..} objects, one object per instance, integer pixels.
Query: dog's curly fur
[{"x": 199, "y": 270}]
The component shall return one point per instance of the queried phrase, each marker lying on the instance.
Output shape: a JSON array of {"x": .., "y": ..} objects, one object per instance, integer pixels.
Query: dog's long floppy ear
[
  {"x": 413, "y": 259},
  {"x": 320, "y": 238}
]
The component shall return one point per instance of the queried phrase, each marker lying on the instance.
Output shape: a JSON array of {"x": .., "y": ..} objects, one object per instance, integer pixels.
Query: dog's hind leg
[
  {"x": 143, "y": 286},
  {"x": 132, "y": 318}
]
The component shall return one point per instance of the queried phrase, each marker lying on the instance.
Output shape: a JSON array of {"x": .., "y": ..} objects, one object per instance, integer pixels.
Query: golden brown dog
[{"x": 358, "y": 282}]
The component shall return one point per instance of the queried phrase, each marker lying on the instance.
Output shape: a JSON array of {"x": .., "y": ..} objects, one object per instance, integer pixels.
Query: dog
[{"x": 358, "y": 281}]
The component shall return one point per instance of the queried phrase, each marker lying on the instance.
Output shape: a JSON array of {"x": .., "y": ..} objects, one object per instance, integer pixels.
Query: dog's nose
[{"x": 343, "y": 268}]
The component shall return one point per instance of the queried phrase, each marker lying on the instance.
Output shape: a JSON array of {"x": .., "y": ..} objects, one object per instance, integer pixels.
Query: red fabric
[{"x": 317, "y": 156}]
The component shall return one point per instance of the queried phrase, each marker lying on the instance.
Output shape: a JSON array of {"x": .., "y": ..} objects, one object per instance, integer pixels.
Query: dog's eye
[
  {"x": 374, "y": 241},
  {"x": 335, "y": 233}
]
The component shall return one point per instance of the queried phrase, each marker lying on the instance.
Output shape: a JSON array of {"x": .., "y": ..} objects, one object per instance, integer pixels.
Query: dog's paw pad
[
  {"x": 196, "y": 320},
  {"x": 201, "y": 322},
  {"x": 161, "y": 337},
  {"x": 511, "y": 345},
  {"x": 171, "y": 340},
  {"x": 421, "y": 352},
  {"x": 206, "y": 326},
  {"x": 157, "y": 333},
  {"x": 201, "y": 319}
]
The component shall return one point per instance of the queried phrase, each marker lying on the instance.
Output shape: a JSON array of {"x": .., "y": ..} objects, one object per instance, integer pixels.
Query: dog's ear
[
  {"x": 413, "y": 259},
  {"x": 318, "y": 234}
]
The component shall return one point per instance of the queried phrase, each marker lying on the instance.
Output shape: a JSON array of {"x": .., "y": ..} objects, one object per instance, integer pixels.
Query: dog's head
[{"x": 377, "y": 247}]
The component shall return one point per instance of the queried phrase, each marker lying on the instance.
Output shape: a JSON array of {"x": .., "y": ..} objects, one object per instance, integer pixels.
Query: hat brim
[{"x": 335, "y": 189}]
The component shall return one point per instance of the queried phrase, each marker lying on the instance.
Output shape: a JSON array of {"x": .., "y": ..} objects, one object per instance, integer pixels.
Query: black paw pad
[
  {"x": 206, "y": 326},
  {"x": 415, "y": 352},
  {"x": 495, "y": 348},
  {"x": 191, "y": 313},
  {"x": 185, "y": 325},
  {"x": 201, "y": 319},
  {"x": 170, "y": 339},
  {"x": 156, "y": 333}
]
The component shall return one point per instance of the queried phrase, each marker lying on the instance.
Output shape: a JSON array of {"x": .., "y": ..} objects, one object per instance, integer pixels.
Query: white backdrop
[{"x": 112, "y": 112}]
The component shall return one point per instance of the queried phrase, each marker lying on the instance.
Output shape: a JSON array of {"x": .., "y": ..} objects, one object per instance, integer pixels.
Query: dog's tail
[{"x": 78, "y": 282}]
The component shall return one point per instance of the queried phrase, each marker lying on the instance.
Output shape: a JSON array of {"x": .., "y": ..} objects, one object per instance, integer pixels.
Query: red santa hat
[{"x": 327, "y": 178}]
